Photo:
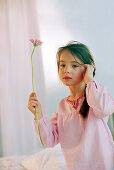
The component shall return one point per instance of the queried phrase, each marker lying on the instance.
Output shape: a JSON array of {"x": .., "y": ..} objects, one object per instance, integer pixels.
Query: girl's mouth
[{"x": 67, "y": 78}]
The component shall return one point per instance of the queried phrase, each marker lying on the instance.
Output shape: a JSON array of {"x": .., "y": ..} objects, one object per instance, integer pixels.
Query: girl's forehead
[{"x": 66, "y": 56}]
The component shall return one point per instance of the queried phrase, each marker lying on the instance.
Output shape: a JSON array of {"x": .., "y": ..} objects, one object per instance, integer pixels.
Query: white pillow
[{"x": 48, "y": 159}]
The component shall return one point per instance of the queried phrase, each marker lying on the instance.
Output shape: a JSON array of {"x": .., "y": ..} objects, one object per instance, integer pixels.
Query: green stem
[
  {"x": 33, "y": 91},
  {"x": 32, "y": 69},
  {"x": 38, "y": 125}
]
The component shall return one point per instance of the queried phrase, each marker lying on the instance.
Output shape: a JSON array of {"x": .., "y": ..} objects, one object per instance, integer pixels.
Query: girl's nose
[{"x": 67, "y": 69}]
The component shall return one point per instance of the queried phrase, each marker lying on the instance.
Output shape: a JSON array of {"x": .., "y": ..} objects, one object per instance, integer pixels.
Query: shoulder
[{"x": 61, "y": 102}]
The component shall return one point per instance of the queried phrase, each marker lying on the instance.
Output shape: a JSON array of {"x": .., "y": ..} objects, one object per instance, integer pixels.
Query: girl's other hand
[
  {"x": 32, "y": 103},
  {"x": 88, "y": 74}
]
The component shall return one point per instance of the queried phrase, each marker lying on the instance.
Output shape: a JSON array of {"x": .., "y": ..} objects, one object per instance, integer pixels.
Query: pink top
[{"x": 86, "y": 144}]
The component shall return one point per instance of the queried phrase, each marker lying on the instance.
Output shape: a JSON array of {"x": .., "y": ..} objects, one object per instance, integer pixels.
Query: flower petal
[
  {"x": 32, "y": 41},
  {"x": 36, "y": 42}
]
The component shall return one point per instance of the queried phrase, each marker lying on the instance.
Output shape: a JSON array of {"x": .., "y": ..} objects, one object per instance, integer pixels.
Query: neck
[{"x": 77, "y": 90}]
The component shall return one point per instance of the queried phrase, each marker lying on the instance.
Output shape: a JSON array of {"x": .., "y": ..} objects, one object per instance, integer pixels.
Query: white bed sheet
[
  {"x": 12, "y": 163},
  {"x": 47, "y": 159}
]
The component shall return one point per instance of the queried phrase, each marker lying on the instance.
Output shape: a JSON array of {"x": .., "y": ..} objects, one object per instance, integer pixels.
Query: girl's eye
[
  {"x": 74, "y": 66},
  {"x": 62, "y": 65}
]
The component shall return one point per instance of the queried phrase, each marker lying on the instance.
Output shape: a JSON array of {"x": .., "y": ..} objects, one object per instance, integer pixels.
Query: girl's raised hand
[
  {"x": 88, "y": 74},
  {"x": 32, "y": 103}
]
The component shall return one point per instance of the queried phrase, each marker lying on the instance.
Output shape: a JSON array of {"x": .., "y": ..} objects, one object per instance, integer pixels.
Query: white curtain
[{"x": 18, "y": 24}]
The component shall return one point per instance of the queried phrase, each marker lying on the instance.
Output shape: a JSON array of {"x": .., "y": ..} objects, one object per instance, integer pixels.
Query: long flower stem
[
  {"x": 33, "y": 91},
  {"x": 38, "y": 125},
  {"x": 32, "y": 69}
]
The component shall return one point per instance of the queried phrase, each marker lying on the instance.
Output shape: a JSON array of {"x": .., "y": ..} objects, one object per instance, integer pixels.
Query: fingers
[
  {"x": 33, "y": 98},
  {"x": 33, "y": 94},
  {"x": 86, "y": 66},
  {"x": 32, "y": 106},
  {"x": 33, "y": 102}
]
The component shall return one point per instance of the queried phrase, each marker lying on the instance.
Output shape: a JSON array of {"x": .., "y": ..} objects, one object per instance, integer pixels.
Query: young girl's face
[{"x": 70, "y": 72}]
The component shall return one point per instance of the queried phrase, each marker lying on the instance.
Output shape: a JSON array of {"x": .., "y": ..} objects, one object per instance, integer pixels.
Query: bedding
[
  {"x": 47, "y": 159},
  {"x": 12, "y": 163}
]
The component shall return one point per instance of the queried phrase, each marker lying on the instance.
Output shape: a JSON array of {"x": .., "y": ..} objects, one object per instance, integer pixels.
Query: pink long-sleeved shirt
[{"x": 86, "y": 144}]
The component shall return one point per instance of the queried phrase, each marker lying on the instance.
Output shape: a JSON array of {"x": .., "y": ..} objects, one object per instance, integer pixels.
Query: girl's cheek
[
  {"x": 61, "y": 69},
  {"x": 79, "y": 74}
]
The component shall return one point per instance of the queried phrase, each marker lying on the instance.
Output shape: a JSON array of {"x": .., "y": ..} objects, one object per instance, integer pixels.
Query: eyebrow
[{"x": 71, "y": 61}]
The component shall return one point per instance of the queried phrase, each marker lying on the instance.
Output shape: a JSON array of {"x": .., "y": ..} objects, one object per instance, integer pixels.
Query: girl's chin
[
  {"x": 70, "y": 84},
  {"x": 67, "y": 84}
]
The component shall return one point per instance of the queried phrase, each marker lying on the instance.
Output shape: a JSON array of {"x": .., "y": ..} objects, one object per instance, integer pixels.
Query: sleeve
[
  {"x": 99, "y": 99},
  {"x": 48, "y": 130}
]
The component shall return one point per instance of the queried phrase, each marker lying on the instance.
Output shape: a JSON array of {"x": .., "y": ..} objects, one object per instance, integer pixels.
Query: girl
[{"x": 80, "y": 121}]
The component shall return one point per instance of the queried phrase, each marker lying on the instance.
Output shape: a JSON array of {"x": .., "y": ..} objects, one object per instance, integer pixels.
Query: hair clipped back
[{"x": 81, "y": 51}]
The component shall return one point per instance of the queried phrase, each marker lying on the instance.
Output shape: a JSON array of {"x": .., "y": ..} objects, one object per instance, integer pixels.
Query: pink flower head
[{"x": 36, "y": 42}]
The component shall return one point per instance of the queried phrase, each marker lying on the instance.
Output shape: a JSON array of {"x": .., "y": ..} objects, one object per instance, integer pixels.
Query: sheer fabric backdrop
[{"x": 18, "y": 24}]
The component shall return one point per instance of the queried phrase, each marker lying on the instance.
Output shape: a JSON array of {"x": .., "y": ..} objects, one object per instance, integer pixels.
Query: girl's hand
[
  {"x": 32, "y": 103},
  {"x": 88, "y": 74}
]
